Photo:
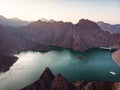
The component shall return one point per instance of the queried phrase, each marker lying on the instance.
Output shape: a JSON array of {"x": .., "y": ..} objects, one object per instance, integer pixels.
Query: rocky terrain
[
  {"x": 81, "y": 36},
  {"x": 6, "y": 61},
  {"x": 116, "y": 57},
  {"x": 39, "y": 35},
  {"x": 108, "y": 27},
  {"x": 48, "y": 81}
]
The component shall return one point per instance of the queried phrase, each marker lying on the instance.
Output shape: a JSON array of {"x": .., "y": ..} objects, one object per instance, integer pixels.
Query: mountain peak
[
  {"x": 47, "y": 73},
  {"x": 14, "y": 22},
  {"x": 86, "y": 21},
  {"x": 87, "y": 24},
  {"x": 83, "y": 20}
]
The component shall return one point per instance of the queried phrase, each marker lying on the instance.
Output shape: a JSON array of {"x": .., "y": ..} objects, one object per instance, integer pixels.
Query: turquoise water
[{"x": 97, "y": 65}]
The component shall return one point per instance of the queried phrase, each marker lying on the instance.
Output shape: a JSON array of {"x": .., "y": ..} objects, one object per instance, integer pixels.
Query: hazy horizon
[{"x": 62, "y": 10}]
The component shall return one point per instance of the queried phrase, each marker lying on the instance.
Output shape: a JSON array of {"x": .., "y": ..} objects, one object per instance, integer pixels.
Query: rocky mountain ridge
[
  {"x": 15, "y": 22},
  {"x": 81, "y": 36},
  {"x": 48, "y": 81}
]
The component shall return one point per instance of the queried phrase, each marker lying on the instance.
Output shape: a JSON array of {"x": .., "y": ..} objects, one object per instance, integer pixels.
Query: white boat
[{"x": 109, "y": 48}]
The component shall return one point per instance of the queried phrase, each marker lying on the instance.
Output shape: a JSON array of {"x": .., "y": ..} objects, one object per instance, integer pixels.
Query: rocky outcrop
[
  {"x": 6, "y": 61},
  {"x": 43, "y": 83},
  {"x": 108, "y": 85},
  {"x": 47, "y": 81},
  {"x": 60, "y": 83}
]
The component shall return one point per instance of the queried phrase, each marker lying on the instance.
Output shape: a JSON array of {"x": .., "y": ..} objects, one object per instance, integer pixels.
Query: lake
[{"x": 97, "y": 65}]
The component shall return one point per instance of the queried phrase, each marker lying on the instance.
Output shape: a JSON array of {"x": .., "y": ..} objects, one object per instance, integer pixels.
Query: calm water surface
[{"x": 97, "y": 65}]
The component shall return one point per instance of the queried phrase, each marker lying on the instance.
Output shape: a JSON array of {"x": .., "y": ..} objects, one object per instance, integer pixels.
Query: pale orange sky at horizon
[{"x": 62, "y": 10}]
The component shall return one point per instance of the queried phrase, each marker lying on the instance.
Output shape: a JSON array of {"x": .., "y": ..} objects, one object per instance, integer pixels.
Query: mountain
[
  {"x": 15, "y": 22},
  {"x": 39, "y": 35},
  {"x": 14, "y": 40},
  {"x": 48, "y": 81},
  {"x": 106, "y": 85},
  {"x": 108, "y": 27},
  {"x": 81, "y": 36},
  {"x": 43, "y": 83}
]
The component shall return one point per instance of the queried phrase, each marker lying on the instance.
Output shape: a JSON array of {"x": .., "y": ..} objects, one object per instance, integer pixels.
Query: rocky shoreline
[
  {"x": 116, "y": 57},
  {"x": 6, "y": 61}
]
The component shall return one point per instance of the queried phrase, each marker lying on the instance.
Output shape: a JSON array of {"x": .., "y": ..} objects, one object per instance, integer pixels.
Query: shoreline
[{"x": 116, "y": 57}]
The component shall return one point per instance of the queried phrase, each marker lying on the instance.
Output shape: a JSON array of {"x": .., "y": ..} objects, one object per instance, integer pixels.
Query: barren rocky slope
[
  {"x": 48, "y": 81},
  {"x": 116, "y": 57},
  {"x": 108, "y": 27}
]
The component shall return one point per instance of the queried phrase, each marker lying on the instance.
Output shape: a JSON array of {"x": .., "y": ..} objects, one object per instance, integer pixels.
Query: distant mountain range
[
  {"x": 15, "y": 22},
  {"x": 108, "y": 27}
]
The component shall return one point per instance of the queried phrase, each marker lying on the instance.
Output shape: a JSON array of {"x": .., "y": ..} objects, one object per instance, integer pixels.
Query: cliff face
[
  {"x": 14, "y": 40},
  {"x": 81, "y": 36},
  {"x": 116, "y": 40},
  {"x": 6, "y": 61},
  {"x": 48, "y": 81}
]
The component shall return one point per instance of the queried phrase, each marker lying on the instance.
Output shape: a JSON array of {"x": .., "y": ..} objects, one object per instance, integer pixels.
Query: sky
[{"x": 65, "y": 10}]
